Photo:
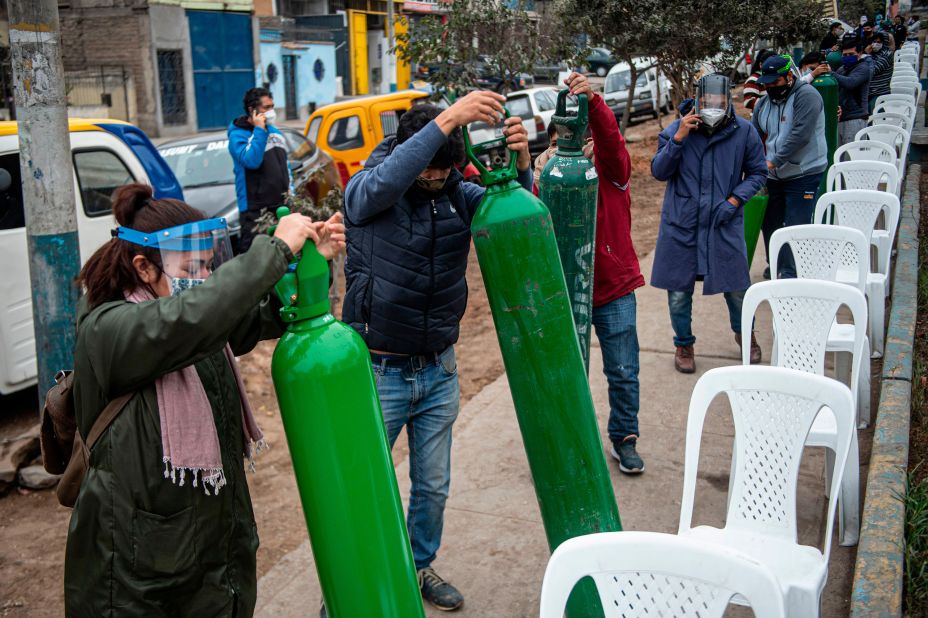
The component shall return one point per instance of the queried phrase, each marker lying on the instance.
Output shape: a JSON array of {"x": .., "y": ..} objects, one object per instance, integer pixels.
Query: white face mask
[
  {"x": 179, "y": 284},
  {"x": 877, "y": 47},
  {"x": 270, "y": 116},
  {"x": 712, "y": 115}
]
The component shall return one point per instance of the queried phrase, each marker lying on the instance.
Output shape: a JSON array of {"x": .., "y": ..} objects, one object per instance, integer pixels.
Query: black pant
[
  {"x": 248, "y": 220},
  {"x": 792, "y": 202}
]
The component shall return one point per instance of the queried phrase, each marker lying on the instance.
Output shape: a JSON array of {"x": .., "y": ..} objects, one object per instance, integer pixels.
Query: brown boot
[
  {"x": 755, "y": 348},
  {"x": 684, "y": 359}
]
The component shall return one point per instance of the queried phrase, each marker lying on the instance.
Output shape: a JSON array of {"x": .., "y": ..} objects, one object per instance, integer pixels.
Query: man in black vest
[{"x": 408, "y": 215}]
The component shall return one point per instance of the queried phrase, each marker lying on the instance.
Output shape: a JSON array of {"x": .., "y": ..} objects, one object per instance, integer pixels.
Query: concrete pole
[
  {"x": 391, "y": 42},
  {"x": 48, "y": 182}
]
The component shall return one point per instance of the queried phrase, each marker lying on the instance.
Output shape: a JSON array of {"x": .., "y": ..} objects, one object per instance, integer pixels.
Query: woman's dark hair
[
  {"x": 759, "y": 58},
  {"x": 451, "y": 152},
  {"x": 253, "y": 99},
  {"x": 552, "y": 130},
  {"x": 109, "y": 272},
  {"x": 811, "y": 58}
]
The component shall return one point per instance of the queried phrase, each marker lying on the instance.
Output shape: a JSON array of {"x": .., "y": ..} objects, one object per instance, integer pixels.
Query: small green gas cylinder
[
  {"x": 827, "y": 86},
  {"x": 341, "y": 458},
  {"x": 569, "y": 187},
  {"x": 518, "y": 255}
]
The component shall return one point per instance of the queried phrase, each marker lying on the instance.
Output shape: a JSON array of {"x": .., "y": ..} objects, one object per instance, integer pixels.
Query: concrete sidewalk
[{"x": 494, "y": 547}]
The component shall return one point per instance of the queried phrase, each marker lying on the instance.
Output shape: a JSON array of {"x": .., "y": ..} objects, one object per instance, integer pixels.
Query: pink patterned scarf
[{"x": 189, "y": 441}]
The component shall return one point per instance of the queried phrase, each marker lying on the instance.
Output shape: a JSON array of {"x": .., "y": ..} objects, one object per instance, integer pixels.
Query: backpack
[{"x": 64, "y": 451}]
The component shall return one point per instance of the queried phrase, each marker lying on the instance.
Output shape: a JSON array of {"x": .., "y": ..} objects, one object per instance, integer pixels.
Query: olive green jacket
[{"x": 139, "y": 545}]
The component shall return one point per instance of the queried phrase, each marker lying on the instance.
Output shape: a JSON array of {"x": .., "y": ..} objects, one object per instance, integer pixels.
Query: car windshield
[
  {"x": 619, "y": 81},
  {"x": 519, "y": 106},
  {"x": 200, "y": 164}
]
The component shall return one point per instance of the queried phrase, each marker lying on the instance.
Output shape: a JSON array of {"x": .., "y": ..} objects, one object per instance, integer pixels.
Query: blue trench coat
[{"x": 694, "y": 238}]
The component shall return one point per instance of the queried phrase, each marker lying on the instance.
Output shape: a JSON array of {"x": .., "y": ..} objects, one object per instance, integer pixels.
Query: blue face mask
[
  {"x": 849, "y": 61},
  {"x": 179, "y": 284}
]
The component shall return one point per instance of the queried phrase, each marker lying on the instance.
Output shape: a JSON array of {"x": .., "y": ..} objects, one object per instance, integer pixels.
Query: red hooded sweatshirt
[{"x": 615, "y": 268}]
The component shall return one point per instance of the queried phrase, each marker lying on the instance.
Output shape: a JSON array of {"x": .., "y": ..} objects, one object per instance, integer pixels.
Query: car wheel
[
  {"x": 601, "y": 71},
  {"x": 655, "y": 114}
]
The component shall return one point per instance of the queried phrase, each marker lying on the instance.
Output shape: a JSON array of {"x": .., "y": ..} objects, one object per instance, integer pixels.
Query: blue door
[{"x": 223, "y": 65}]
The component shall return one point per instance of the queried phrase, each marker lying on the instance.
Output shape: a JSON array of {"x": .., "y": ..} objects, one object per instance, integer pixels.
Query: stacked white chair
[
  {"x": 871, "y": 175},
  {"x": 773, "y": 410},
  {"x": 899, "y": 119},
  {"x": 648, "y": 574},
  {"x": 896, "y": 137},
  {"x": 904, "y": 106}
]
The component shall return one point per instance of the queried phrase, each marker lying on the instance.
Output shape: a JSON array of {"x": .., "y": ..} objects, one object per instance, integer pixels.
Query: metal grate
[
  {"x": 171, "y": 82},
  {"x": 101, "y": 92}
]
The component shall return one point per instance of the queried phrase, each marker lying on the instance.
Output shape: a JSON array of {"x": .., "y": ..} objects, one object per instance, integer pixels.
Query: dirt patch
[{"x": 34, "y": 528}]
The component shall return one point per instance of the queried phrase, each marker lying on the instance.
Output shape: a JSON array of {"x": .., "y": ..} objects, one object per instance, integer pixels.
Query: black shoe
[
  {"x": 625, "y": 453},
  {"x": 322, "y": 612},
  {"x": 438, "y": 592},
  {"x": 767, "y": 273}
]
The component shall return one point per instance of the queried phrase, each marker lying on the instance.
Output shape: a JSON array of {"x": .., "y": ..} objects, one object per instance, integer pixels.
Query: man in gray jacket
[{"x": 791, "y": 122}]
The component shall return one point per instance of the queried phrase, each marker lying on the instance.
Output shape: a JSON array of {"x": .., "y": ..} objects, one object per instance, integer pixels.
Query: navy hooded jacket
[{"x": 407, "y": 248}]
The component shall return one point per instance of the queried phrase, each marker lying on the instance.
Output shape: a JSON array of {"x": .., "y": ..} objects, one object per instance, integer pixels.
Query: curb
[{"x": 878, "y": 582}]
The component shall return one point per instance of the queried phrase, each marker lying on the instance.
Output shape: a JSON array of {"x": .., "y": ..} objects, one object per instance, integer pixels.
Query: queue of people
[{"x": 164, "y": 520}]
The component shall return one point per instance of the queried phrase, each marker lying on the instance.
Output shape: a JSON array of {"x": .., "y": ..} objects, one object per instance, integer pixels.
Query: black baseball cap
[{"x": 774, "y": 68}]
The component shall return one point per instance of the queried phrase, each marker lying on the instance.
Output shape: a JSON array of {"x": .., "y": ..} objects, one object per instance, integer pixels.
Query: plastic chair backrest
[
  {"x": 821, "y": 251},
  {"x": 905, "y": 88},
  {"x": 906, "y": 108},
  {"x": 649, "y": 574},
  {"x": 863, "y": 175},
  {"x": 859, "y": 209},
  {"x": 868, "y": 150},
  {"x": 897, "y": 137},
  {"x": 893, "y": 118},
  {"x": 773, "y": 409}
]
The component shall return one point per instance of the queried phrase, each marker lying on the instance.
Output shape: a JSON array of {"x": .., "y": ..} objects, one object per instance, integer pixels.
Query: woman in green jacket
[{"x": 163, "y": 525}]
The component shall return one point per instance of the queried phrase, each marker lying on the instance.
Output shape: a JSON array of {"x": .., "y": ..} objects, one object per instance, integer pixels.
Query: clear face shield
[
  {"x": 713, "y": 100},
  {"x": 190, "y": 253}
]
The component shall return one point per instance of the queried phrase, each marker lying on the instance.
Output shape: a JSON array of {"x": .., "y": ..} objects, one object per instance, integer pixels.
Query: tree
[{"x": 476, "y": 34}]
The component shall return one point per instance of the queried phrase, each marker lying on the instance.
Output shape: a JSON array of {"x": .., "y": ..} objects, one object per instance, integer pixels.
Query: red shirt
[{"x": 615, "y": 268}]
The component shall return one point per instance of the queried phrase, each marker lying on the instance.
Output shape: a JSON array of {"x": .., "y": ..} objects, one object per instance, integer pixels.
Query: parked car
[
  {"x": 204, "y": 168},
  {"x": 106, "y": 154},
  {"x": 490, "y": 77},
  {"x": 548, "y": 71},
  {"x": 348, "y": 131},
  {"x": 536, "y": 107},
  {"x": 652, "y": 92},
  {"x": 600, "y": 61}
]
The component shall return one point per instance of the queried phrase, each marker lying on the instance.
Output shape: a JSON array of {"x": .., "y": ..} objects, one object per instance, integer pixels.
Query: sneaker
[
  {"x": 627, "y": 455},
  {"x": 322, "y": 612},
  {"x": 438, "y": 592},
  {"x": 684, "y": 359},
  {"x": 755, "y": 348}
]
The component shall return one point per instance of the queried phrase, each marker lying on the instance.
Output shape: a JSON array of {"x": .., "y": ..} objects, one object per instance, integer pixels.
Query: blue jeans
[
  {"x": 792, "y": 202},
  {"x": 681, "y": 314},
  {"x": 616, "y": 328},
  {"x": 425, "y": 399}
]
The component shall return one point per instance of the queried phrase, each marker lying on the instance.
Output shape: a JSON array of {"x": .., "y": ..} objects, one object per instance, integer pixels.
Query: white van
[
  {"x": 106, "y": 154},
  {"x": 652, "y": 92}
]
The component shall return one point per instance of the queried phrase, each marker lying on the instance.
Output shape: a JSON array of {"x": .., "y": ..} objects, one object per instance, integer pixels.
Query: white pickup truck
[{"x": 106, "y": 154}]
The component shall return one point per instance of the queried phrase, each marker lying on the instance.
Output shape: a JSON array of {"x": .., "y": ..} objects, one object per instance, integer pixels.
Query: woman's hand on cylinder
[{"x": 295, "y": 230}]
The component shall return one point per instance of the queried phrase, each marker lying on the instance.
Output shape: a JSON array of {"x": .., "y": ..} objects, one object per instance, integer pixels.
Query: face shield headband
[{"x": 713, "y": 102}]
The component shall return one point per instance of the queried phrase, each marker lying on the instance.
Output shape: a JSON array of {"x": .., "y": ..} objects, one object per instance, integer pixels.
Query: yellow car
[{"x": 348, "y": 131}]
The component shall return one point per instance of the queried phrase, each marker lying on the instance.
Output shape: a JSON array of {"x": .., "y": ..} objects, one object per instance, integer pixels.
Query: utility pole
[
  {"x": 48, "y": 182},
  {"x": 391, "y": 43}
]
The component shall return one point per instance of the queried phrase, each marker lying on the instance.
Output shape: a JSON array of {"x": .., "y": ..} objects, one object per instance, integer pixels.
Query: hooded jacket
[
  {"x": 259, "y": 161},
  {"x": 407, "y": 248},
  {"x": 793, "y": 131},
  {"x": 139, "y": 545},
  {"x": 701, "y": 234},
  {"x": 853, "y": 91}
]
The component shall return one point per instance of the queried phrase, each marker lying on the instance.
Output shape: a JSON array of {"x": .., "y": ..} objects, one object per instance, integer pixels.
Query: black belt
[{"x": 416, "y": 361}]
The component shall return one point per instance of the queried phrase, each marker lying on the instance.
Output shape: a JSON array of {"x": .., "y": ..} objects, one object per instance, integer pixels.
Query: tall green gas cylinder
[
  {"x": 518, "y": 255},
  {"x": 569, "y": 187},
  {"x": 827, "y": 86},
  {"x": 341, "y": 458}
]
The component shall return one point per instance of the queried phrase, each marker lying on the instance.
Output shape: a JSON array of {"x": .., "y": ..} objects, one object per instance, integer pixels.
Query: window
[
  {"x": 545, "y": 100},
  {"x": 200, "y": 164},
  {"x": 520, "y": 106},
  {"x": 389, "y": 122},
  {"x": 99, "y": 173},
  {"x": 171, "y": 85},
  {"x": 313, "y": 133},
  {"x": 345, "y": 134},
  {"x": 300, "y": 148},
  {"x": 12, "y": 214}
]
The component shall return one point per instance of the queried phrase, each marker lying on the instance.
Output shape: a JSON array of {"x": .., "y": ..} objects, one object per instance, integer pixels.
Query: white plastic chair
[
  {"x": 773, "y": 409},
  {"x": 904, "y": 69},
  {"x": 908, "y": 89},
  {"x": 895, "y": 137},
  {"x": 860, "y": 210},
  {"x": 894, "y": 118},
  {"x": 649, "y": 574},
  {"x": 868, "y": 150},
  {"x": 870, "y": 175},
  {"x": 804, "y": 316},
  {"x": 906, "y": 108},
  {"x": 840, "y": 254}
]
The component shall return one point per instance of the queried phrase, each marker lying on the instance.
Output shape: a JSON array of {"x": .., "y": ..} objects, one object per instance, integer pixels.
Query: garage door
[{"x": 223, "y": 65}]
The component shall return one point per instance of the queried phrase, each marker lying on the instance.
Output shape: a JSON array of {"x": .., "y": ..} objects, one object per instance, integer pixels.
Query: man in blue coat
[{"x": 713, "y": 162}]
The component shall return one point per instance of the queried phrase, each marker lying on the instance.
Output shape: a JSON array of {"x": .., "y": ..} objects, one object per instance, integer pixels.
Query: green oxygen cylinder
[
  {"x": 514, "y": 239},
  {"x": 569, "y": 187},
  {"x": 335, "y": 432},
  {"x": 827, "y": 86}
]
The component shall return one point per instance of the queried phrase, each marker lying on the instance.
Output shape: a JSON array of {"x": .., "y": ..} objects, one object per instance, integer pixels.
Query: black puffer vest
[{"x": 405, "y": 269}]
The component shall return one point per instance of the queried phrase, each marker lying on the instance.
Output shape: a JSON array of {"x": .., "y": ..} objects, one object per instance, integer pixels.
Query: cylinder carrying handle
[
  {"x": 494, "y": 148},
  {"x": 304, "y": 288},
  {"x": 572, "y": 128}
]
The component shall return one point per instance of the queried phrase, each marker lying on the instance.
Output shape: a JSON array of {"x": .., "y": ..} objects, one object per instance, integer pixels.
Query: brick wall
[{"x": 109, "y": 36}]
